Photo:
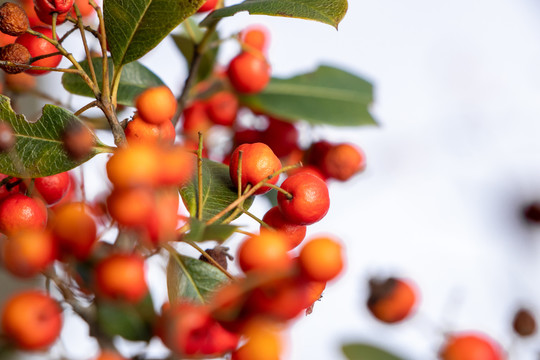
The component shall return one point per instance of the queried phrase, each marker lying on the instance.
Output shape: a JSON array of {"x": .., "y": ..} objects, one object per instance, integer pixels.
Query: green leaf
[
  {"x": 186, "y": 45},
  {"x": 189, "y": 278},
  {"x": 125, "y": 320},
  {"x": 199, "y": 231},
  {"x": 134, "y": 27},
  {"x": 218, "y": 191},
  {"x": 326, "y": 96},
  {"x": 38, "y": 145},
  {"x": 330, "y": 12},
  {"x": 367, "y": 352},
  {"x": 135, "y": 79}
]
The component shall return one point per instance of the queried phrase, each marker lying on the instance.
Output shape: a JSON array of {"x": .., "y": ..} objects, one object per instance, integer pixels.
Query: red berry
[
  {"x": 20, "y": 212},
  {"x": 281, "y": 136},
  {"x": 293, "y": 232},
  {"x": 26, "y": 253},
  {"x": 53, "y": 188},
  {"x": 222, "y": 108},
  {"x": 208, "y": 5},
  {"x": 249, "y": 73},
  {"x": 310, "y": 200},
  {"x": 37, "y": 47}
]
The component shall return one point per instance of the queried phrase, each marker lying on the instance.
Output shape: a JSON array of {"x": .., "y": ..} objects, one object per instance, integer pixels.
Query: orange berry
[
  {"x": 470, "y": 346},
  {"x": 222, "y": 108},
  {"x": 391, "y": 300},
  {"x": 26, "y": 253},
  {"x": 20, "y": 83},
  {"x": 156, "y": 105},
  {"x": 249, "y": 73},
  {"x": 177, "y": 166},
  {"x": 74, "y": 229},
  {"x": 20, "y": 212},
  {"x": 310, "y": 199},
  {"x": 131, "y": 207},
  {"x": 32, "y": 320},
  {"x": 263, "y": 343},
  {"x": 196, "y": 120},
  {"x": 321, "y": 259},
  {"x": 136, "y": 165},
  {"x": 140, "y": 131},
  {"x": 258, "y": 162},
  {"x": 160, "y": 226},
  {"x": 293, "y": 232},
  {"x": 256, "y": 37},
  {"x": 121, "y": 277},
  {"x": 342, "y": 161},
  {"x": 264, "y": 252}
]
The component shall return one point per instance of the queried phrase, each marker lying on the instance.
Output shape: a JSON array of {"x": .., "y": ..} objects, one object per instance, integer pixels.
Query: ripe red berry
[
  {"x": 20, "y": 212},
  {"x": 53, "y": 188},
  {"x": 258, "y": 162},
  {"x": 12, "y": 187},
  {"x": 37, "y": 47},
  {"x": 32, "y": 320},
  {"x": 52, "y": 6},
  {"x": 222, "y": 108},
  {"x": 392, "y": 300},
  {"x": 121, "y": 277},
  {"x": 208, "y": 5},
  {"x": 139, "y": 131},
  {"x": 281, "y": 136},
  {"x": 470, "y": 346},
  {"x": 293, "y": 232},
  {"x": 195, "y": 120},
  {"x": 75, "y": 230},
  {"x": 249, "y": 73},
  {"x": 310, "y": 200}
]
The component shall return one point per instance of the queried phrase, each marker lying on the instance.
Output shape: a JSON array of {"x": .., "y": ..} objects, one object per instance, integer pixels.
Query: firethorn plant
[{"x": 94, "y": 252}]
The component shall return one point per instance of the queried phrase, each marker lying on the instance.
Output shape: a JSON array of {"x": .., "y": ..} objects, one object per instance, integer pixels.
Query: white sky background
[{"x": 458, "y": 98}]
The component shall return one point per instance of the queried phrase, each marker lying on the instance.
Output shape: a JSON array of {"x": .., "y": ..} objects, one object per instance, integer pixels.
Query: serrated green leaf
[
  {"x": 367, "y": 352},
  {"x": 218, "y": 191},
  {"x": 134, "y": 27},
  {"x": 38, "y": 145},
  {"x": 330, "y": 12},
  {"x": 124, "y": 320},
  {"x": 326, "y": 96},
  {"x": 192, "y": 279},
  {"x": 199, "y": 231},
  {"x": 135, "y": 78}
]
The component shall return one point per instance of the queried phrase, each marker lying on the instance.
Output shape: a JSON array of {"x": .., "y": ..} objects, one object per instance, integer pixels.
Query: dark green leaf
[
  {"x": 218, "y": 191},
  {"x": 192, "y": 279},
  {"x": 367, "y": 352},
  {"x": 134, "y": 79},
  {"x": 201, "y": 232},
  {"x": 134, "y": 27},
  {"x": 325, "y": 96},
  {"x": 186, "y": 45},
  {"x": 38, "y": 145},
  {"x": 330, "y": 12},
  {"x": 124, "y": 320}
]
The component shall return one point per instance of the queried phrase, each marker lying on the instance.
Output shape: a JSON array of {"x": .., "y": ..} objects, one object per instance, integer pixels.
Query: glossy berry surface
[
  {"x": 310, "y": 199},
  {"x": 156, "y": 105},
  {"x": 37, "y": 47},
  {"x": 249, "y": 73},
  {"x": 294, "y": 233},
  {"x": 53, "y": 188},
  {"x": 258, "y": 162},
  {"x": 20, "y": 212}
]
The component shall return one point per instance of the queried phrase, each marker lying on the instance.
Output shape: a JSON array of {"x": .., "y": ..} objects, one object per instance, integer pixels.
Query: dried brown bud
[
  {"x": 524, "y": 323},
  {"x": 7, "y": 139},
  {"x": 13, "y": 19},
  {"x": 17, "y": 54},
  {"x": 219, "y": 254},
  {"x": 78, "y": 140}
]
